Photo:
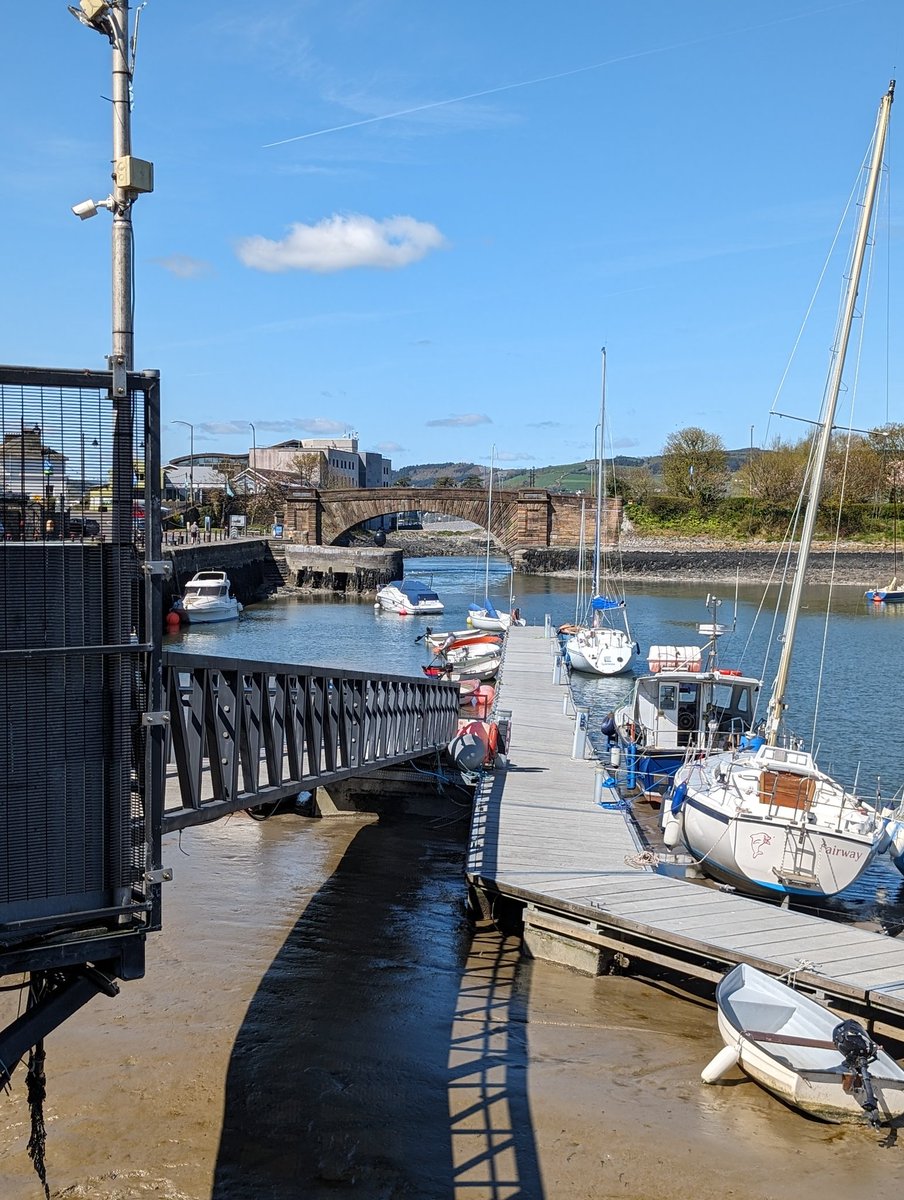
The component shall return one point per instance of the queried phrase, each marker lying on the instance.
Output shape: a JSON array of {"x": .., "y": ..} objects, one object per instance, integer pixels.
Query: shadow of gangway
[{"x": 368, "y": 1051}]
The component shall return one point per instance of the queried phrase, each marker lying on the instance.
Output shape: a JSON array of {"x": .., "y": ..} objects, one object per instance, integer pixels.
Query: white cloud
[
  {"x": 319, "y": 425},
  {"x": 388, "y": 447},
  {"x": 465, "y": 419},
  {"x": 514, "y": 456},
  {"x": 183, "y": 266},
  {"x": 339, "y": 243}
]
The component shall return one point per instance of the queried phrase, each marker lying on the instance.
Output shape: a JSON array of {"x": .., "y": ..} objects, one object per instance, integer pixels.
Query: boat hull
[
  {"x": 816, "y": 1079},
  {"x": 202, "y": 616},
  {"x": 600, "y": 651},
  {"x": 767, "y": 846}
]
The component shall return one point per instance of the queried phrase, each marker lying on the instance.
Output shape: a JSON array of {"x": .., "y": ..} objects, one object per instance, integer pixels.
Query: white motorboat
[
  {"x": 686, "y": 700},
  {"x": 208, "y": 597},
  {"x": 409, "y": 598},
  {"x": 762, "y": 816},
  {"x": 802, "y": 1052},
  {"x": 602, "y": 646}
]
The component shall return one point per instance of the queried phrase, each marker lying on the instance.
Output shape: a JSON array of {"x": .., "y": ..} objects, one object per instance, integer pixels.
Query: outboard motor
[{"x": 858, "y": 1050}]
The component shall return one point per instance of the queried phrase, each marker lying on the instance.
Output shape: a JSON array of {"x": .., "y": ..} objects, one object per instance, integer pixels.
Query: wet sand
[{"x": 319, "y": 1019}]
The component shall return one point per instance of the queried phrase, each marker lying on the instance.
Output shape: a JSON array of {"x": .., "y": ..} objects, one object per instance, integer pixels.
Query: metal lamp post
[{"x": 191, "y": 458}]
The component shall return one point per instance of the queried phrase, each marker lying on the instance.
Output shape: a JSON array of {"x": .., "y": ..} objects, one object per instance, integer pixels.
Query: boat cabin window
[{"x": 668, "y": 696}]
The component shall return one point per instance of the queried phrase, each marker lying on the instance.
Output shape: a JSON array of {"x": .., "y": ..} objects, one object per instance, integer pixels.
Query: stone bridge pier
[{"x": 524, "y": 519}]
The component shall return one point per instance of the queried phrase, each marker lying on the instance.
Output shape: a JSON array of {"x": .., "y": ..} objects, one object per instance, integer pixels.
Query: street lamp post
[{"x": 191, "y": 458}]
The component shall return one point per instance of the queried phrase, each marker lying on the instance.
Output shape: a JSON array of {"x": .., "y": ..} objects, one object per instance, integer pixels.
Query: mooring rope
[{"x": 36, "y": 1083}]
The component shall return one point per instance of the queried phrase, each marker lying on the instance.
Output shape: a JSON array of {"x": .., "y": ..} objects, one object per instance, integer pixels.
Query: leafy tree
[
  {"x": 472, "y": 481},
  {"x": 445, "y": 481},
  {"x": 854, "y": 470},
  {"x": 263, "y": 505},
  {"x": 308, "y": 467},
  {"x": 403, "y": 481},
  {"x": 695, "y": 465},
  {"x": 636, "y": 483},
  {"x": 776, "y": 475},
  {"x": 888, "y": 442}
]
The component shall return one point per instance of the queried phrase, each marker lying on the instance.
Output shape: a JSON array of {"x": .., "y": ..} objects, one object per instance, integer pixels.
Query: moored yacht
[
  {"x": 207, "y": 597},
  {"x": 409, "y": 597}
]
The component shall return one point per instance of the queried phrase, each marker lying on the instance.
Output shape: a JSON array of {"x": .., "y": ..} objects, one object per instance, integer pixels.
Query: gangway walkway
[{"x": 547, "y": 833}]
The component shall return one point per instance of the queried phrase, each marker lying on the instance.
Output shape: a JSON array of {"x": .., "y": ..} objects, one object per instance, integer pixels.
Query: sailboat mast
[
  {"x": 486, "y": 573},
  {"x": 777, "y": 704},
  {"x": 600, "y": 483}
]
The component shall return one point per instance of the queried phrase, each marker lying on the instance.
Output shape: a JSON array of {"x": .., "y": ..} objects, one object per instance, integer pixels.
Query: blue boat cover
[
  {"x": 600, "y": 602},
  {"x": 415, "y": 590}
]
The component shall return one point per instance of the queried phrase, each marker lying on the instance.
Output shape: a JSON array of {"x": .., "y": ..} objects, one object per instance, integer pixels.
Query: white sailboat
[
  {"x": 602, "y": 647},
  {"x": 486, "y": 616},
  {"x": 763, "y": 817}
]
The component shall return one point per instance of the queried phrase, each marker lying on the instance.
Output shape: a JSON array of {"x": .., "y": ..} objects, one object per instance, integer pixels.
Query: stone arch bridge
[{"x": 522, "y": 519}]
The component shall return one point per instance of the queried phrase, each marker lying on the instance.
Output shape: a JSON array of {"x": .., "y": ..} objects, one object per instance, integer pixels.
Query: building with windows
[{"x": 324, "y": 463}]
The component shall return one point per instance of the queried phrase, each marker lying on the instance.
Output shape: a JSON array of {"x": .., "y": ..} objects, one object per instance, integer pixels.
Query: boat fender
[
  {"x": 671, "y": 831},
  {"x": 716, "y": 1068},
  {"x": 678, "y": 795},
  {"x": 608, "y": 728}
]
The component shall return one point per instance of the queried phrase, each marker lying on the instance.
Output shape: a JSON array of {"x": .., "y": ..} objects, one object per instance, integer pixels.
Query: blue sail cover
[
  {"x": 486, "y": 607},
  {"x": 601, "y": 602}
]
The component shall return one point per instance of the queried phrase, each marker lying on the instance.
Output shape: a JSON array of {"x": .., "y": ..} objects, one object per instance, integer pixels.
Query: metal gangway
[{"x": 108, "y": 742}]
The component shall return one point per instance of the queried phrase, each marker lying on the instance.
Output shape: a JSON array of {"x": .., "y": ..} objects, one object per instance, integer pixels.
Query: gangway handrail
[{"x": 247, "y": 732}]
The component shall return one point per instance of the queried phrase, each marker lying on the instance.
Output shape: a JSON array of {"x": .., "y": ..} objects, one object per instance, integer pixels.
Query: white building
[{"x": 324, "y": 462}]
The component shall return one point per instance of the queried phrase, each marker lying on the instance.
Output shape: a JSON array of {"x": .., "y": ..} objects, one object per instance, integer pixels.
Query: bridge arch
[{"x": 521, "y": 519}]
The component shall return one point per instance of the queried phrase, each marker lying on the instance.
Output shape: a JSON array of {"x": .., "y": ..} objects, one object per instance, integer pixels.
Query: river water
[{"x": 318, "y": 1018}]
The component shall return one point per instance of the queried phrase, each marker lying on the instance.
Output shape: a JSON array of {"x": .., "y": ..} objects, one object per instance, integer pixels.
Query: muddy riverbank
[{"x": 319, "y": 1020}]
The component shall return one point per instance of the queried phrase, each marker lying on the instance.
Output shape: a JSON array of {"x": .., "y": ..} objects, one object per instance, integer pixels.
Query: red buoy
[{"x": 172, "y": 621}]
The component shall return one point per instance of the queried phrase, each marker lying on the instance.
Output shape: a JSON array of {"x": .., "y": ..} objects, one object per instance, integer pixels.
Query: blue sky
[{"x": 664, "y": 179}]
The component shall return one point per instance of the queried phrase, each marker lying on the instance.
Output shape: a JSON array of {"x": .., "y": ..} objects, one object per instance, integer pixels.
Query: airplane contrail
[{"x": 508, "y": 87}]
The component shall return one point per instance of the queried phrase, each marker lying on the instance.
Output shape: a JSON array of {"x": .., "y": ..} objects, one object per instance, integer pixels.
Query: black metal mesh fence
[{"x": 75, "y": 507}]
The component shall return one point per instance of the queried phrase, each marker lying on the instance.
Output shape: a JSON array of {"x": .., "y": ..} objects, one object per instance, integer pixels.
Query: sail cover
[{"x": 600, "y": 602}]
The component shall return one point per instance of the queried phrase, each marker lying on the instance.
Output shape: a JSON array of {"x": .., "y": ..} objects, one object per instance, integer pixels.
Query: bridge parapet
[{"x": 525, "y": 519}]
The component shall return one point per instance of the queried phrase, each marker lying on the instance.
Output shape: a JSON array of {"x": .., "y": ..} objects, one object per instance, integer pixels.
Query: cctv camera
[{"x": 86, "y": 209}]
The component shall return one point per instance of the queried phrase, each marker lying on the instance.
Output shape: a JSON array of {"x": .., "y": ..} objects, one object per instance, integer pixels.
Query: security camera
[{"x": 87, "y": 208}]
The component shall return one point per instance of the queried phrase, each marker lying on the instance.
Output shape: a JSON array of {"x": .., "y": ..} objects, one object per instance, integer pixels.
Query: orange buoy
[{"x": 173, "y": 621}]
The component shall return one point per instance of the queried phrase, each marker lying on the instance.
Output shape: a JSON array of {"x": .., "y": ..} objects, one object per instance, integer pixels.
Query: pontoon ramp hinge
[{"x": 155, "y": 718}]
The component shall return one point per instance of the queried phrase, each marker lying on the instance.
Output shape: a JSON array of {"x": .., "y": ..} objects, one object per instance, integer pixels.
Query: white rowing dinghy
[{"x": 803, "y": 1053}]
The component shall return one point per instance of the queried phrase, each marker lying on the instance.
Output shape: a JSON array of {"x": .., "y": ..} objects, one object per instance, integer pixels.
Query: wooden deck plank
[{"x": 538, "y": 832}]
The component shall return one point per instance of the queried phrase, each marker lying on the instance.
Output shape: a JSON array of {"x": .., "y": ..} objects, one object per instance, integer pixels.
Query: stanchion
[
  {"x": 579, "y": 744},
  {"x": 547, "y": 625},
  {"x": 557, "y": 669}
]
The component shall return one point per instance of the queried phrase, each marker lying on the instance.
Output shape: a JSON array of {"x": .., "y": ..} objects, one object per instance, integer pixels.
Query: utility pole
[{"x": 131, "y": 177}]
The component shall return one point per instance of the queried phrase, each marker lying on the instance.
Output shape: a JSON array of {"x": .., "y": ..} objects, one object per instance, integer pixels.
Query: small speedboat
[
  {"x": 475, "y": 668},
  {"x": 806, "y": 1055},
  {"x": 409, "y": 598},
  {"x": 207, "y": 597}
]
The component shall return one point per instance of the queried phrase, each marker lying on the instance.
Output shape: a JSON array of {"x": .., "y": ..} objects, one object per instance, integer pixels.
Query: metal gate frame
[{"x": 79, "y": 893}]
